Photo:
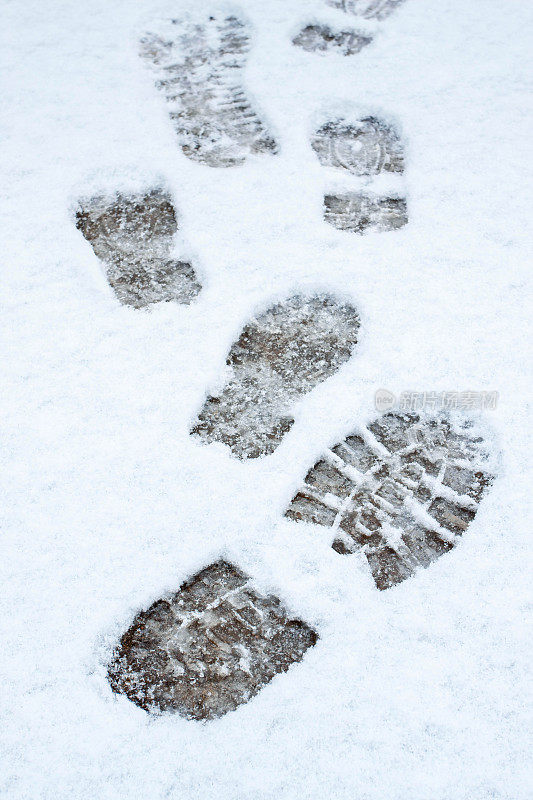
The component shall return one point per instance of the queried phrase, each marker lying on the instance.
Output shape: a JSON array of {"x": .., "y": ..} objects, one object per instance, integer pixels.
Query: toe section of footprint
[
  {"x": 133, "y": 235},
  {"x": 280, "y": 355},
  {"x": 368, "y": 9},
  {"x": 365, "y": 148},
  {"x": 402, "y": 491},
  {"x": 208, "y": 648},
  {"x": 198, "y": 66},
  {"x": 322, "y": 39}
]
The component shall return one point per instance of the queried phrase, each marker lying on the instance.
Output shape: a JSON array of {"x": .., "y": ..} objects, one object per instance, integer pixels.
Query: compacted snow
[{"x": 109, "y": 505}]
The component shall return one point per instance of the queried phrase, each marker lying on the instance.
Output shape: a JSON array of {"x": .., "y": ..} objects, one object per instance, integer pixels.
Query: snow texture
[{"x": 108, "y": 504}]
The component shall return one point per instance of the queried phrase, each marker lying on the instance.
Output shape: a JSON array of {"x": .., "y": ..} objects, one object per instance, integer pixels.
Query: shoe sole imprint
[
  {"x": 361, "y": 213},
  {"x": 132, "y": 235},
  {"x": 280, "y": 356},
  {"x": 401, "y": 491},
  {"x": 208, "y": 648},
  {"x": 369, "y": 9},
  {"x": 365, "y": 148},
  {"x": 199, "y": 68},
  {"x": 321, "y": 39}
]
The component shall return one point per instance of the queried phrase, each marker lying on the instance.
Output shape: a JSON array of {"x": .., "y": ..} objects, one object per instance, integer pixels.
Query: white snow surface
[{"x": 107, "y": 503}]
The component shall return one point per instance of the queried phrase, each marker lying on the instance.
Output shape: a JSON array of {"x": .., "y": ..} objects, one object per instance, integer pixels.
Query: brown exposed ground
[
  {"x": 208, "y": 648},
  {"x": 401, "y": 491}
]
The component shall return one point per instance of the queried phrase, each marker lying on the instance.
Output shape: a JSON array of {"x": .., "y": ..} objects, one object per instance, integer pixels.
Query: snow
[{"x": 420, "y": 691}]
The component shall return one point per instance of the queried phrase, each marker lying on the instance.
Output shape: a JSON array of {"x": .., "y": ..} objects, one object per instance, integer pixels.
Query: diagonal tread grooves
[
  {"x": 369, "y": 9},
  {"x": 132, "y": 235},
  {"x": 281, "y": 355},
  {"x": 366, "y": 147},
  {"x": 401, "y": 491},
  {"x": 198, "y": 67},
  {"x": 322, "y": 39},
  {"x": 208, "y": 648}
]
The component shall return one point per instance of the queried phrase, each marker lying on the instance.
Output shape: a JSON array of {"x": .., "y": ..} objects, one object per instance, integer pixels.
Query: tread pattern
[
  {"x": 198, "y": 68},
  {"x": 367, "y": 147},
  {"x": 369, "y": 9},
  {"x": 132, "y": 235},
  {"x": 208, "y": 648},
  {"x": 402, "y": 491},
  {"x": 361, "y": 213},
  {"x": 282, "y": 354},
  {"x": 321, "y": 39}
]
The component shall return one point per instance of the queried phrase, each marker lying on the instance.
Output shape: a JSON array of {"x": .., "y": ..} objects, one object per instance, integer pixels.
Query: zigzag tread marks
[{"x": 403, "y": 500}]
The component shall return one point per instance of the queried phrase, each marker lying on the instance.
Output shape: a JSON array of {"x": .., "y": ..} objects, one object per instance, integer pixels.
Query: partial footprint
[
  {"x": 321, "y": 39},
  {"x": 199, "y": 68},
  {"x": 208, "y": 648},
  {"x": 132, "y": 235},
  {"x": 364, "y": 148},
  {"x": 362, "y": 212},
  {"x": 401, "y": 491},
  {"x": 369, "y": 9},
  {"x": 282, "y": 354}
]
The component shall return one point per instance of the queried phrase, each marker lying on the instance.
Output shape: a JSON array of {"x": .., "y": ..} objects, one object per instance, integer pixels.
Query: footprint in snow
[
  {"x": 365, "y": 148},
  {"x": 321, "y": 38},
  {"x": 198, "y": 66},
  {"x": 132, "y": 235},
  {"x": 280, "y": 355},
  {"x": 209, "y": 647},
  {"x": 401, "y": 491}
]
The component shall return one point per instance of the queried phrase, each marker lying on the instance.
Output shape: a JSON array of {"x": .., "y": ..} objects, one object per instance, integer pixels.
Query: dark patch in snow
[
  {"x": 361, "y": 213},
  {"x": 208, "y": 648},
  {"x": 400, "y": 492},
  {"x": 364, "y": 148},
  {"x": 133, "y": 235},
  {"x": 369, "y": 9},
  {"x": 198, "y": 67},
  {"x": 282, "y": 354},
  {"x": 321, "y": 39}
]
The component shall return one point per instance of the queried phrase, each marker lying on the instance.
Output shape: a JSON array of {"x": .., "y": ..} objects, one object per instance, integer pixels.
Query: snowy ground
[{"x": 414, "y": 693}]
